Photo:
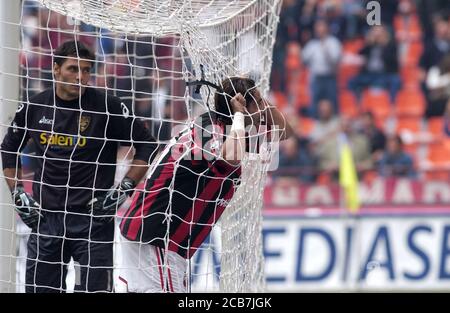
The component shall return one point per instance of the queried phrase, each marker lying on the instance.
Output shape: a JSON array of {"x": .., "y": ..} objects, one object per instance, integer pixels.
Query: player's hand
[
  {"x": 27, "y": 208},
  {"x": 116, "y": 197},
  {"x": 105, "y": 207},
  {"x": 238, "y": 104}
]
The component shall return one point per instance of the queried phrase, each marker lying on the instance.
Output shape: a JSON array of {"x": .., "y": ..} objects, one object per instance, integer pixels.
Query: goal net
[{"x": 145, "y": 53}]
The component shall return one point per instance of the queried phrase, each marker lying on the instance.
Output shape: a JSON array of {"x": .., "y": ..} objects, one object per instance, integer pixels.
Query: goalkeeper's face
[{"x": 72, "y": 77}]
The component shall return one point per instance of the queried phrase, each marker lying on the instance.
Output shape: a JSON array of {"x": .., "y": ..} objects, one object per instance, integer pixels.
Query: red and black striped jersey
[{"x": 186, "y": 192}]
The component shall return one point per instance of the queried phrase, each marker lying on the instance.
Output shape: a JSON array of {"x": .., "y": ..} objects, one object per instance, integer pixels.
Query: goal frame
[{"x": 9, "y": 97}]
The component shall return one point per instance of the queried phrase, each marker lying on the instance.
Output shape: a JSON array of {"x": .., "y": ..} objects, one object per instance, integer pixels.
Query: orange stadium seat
[
  {"x": 436, "y": 126},
  {"x": 347, "y": 71},
  {"x": 439, "y": 152},
  {"x": 410, "y": 76},
  {"x": 411, "y": 124},
  {"x": 413, "y": 53},
  {"x": 347, "y": 104},
  {"x": 369, "y": 177},
  {"x": 324, "y": 178},
  {"x": 305, "y": 126},
  {"x": 377, "y": 101},
  {"x": 293, "y": 61},
  {"x": 410, "y": 102},
  {"x": 437, "y": 174},
  {"x": 439, "y": 156},
  {"x": 411, "y": 26},
  {"x": 353, "y": 46},
  {"x": 280, "y": 100},
  {"x": 411, "y": 149},
  {"x": 409, "y": 32},
  {"x": 303, "y": 96},
  {"x": 304, "y": 77}
]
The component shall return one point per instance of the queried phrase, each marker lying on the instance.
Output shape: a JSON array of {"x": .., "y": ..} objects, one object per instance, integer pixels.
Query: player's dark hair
[
  {"x": 72, "y": 49},
  {"x": 230, "y": 87}
]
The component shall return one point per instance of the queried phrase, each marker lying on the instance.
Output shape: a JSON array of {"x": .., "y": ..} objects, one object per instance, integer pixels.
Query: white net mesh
[{"x": 146, "y": 51}]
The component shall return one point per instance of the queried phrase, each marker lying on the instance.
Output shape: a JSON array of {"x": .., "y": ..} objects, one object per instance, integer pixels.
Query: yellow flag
[{"x": 348, "y": 178}]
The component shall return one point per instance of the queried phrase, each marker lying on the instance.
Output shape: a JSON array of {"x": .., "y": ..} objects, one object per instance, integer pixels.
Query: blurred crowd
[{"x": 383, "y": 88}]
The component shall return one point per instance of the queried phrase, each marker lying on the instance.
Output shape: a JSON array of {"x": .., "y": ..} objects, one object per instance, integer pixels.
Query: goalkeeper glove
[
  {"x": 27, "y": 208},
  {"x": 105, "y": 207}
]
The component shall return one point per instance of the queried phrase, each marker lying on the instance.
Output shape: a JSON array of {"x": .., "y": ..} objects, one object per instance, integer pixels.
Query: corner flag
[{"x": 348, "y": 178}]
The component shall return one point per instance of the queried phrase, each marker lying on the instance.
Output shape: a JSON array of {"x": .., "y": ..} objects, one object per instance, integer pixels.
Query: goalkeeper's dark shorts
[{"x": 63, "y": 236}]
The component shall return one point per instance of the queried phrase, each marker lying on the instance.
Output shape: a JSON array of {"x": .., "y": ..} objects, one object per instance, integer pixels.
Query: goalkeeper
[
  {"x": 189, "y": 188},
  {"x": 76, "y": 130}
]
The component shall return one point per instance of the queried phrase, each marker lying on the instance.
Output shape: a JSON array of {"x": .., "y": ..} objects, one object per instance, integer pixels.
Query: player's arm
[
  {"x": 146, "y": 149},
  {"x": 233, "y": 148},
  {"x": 109, "y": 205},
  {"x": 277, "y": 120},
  {"x": 137, "y": 170},
  {"x": 13, "y": 177},
  {"x": 14, "y": 142},
  {"x": 130, "y": 130}
]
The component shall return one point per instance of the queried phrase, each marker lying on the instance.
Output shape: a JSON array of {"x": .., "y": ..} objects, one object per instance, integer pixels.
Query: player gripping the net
[
  {"x": 76, "y": 130},
  {"x": 189, "y": 188}
]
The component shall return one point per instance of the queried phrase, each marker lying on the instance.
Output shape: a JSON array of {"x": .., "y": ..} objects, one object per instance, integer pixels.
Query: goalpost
[{"x": 146, "y": 52}]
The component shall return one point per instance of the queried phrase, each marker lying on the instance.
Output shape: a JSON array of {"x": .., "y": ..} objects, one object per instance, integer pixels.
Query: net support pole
[{"x": 9, "y": 95}]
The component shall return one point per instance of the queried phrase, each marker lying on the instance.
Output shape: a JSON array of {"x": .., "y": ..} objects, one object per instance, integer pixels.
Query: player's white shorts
[{"x": 147, "y": 268}]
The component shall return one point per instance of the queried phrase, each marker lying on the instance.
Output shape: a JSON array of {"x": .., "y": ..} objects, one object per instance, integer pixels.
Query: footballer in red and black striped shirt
[{"x": 192, "y": 183}]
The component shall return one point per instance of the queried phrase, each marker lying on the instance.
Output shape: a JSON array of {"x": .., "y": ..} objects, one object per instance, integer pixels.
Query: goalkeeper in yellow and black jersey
[{"x": 77, "y": 131}]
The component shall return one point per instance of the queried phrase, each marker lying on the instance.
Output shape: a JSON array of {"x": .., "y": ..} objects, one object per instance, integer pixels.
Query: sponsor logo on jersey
[
  {"x": 46, "y": 121},
  {"x": 84, "y": 123},
  {"x": 62, "y": 140}
]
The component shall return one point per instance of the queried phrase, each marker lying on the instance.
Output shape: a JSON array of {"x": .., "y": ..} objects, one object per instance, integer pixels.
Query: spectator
[
  {"x": 332, "y": 12},
  {"x": 327, "y": 124},
  {"x": 376, "y": 137},
  {"x": 306, "y": 20},
  {"x": 297, "y": 160},
  {"x": 354, "y": 13},
  {"x": 395, "y": 161},
  {"x": 380, "y": 64},
  {"x": 429, "y": 8},
  {"x": 328, "y": 152},
  {"x": 438, "y": 85},
  {"x": 322, "y": 55},
  {"x": 437, "y": 46},
  {"x": 435, "y": 50}
]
